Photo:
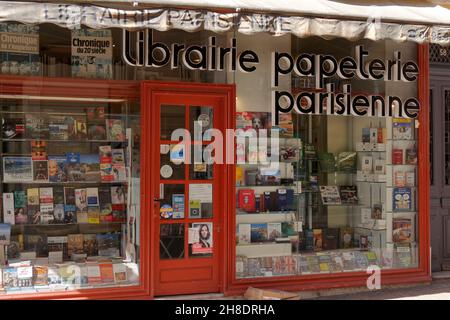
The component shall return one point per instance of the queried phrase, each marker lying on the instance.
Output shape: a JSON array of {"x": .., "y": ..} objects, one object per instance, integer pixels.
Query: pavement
[{"x": 439, "y": 289}]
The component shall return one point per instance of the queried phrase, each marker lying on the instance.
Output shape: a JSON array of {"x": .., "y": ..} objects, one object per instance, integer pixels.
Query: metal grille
[{"x": 439, "y": 54}]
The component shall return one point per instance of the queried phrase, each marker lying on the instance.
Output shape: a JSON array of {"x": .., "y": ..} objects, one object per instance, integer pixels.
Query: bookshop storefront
[{"x": 169, "y": 151}]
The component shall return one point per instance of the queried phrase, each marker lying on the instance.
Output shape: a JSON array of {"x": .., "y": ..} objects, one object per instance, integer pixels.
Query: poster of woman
[{"x": 205, "y": 238}]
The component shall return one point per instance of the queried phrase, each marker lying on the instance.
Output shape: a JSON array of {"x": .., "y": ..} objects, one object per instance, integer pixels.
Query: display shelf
[
  {"x": 28, "y": 225},
  {"x": 62, "y": 140},
  {"x": 268, "y": 249},
  {"x": 267, "y": 186},
  {"x": 64, "y": 183},
  {"x": 265, "y": 217}
]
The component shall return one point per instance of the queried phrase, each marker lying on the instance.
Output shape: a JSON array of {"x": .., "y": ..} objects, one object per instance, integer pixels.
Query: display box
[{"x": 265, "y": 294}]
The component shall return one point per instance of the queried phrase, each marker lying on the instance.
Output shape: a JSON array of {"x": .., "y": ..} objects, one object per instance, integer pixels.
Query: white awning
[{"x": 417, "y": 22}]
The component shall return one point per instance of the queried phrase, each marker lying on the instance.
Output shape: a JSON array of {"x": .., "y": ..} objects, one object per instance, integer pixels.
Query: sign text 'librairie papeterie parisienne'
[{"x": 324, "y": 100}]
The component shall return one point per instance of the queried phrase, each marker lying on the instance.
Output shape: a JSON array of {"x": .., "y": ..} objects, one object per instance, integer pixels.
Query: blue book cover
[
  {"x": 282, "y": 199},
  {"x": 401, "y": 199},
  {"x": 258, "y": 232},
  {"x": 56, "y": 172},
  {"x": 266, "y": 200},
  {"x": 73, "y": 157},
  {"x": 178, "y": 206},
  {"x": 309, "y": 239}
]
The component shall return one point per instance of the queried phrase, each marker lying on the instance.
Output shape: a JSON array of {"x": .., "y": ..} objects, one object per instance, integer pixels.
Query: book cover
[
  {"x": 5, "y": 234},
  {"x": 118, "y": 156},
  {"x": 40, "y": 170},
  {"x": 81, "y": 200},
  {"x": 105, "y": 154},
  {"x": 288, "y": 229},
  {"x": 92, "y": 197},
  {"x": 367, "y": 164},
  {"x": 58, "y": 127},
  {"x": 73, "y": 167},
  {"x": 119, "y": 173},
  {"x": 93, "y": 214},
  {"x": 80, "y": 127},
  {"x": 104, "y": 193},
  {"x": 120, "y": 272},
  {"x": 8, "y": 208},
  {"x": 397, "y": 156},
  {"x": 56, "y": 169},
  {"x": 338, "y": 262},
  {"x": 402, "y": 230},
  {"x": 348, "y": 261},
  {"x": 58, "y": 194},
  {"x": 82, "y": 216},
  {"x": 57, "y": 249},
  {"x": 36, "y": 243},
  {"x": 326, "y": 162},
  {"x": 75, "y": 244},
  {"x": 346, "y": 162},
  {"x": 401, "y": 199},
  {"x": 346, "y": 237},
  {"x": 381, "y": 135},
  {"x": 70, "y": 215},
  {"x": 17, "y": 169},
  {"x": 361, "y": 260},
  {"x": 108, "y": 244},
  {"x": 16, "y": 244},
  {"x": 309, "y": 239},
  {"x": 38, "y": 150},
  {"x": 273, "y": 230},
  {"x": 93, "y": 273},
  {"x": 379, "y": 166},
  {"x": 90, "y": 167},
  {"x": 20, "y": 215},
  {"x": 330, "y": 238},
  {"x": 40, "y": 277},
  {"x": 402, "y": 128},
  {"x": 10, "y": 279},
  {"x": 46, "y": 195},
  {"x": 411, "y": 156},
  {"x": 410, "y": 178},
  {"x": 194, "y": 208},
  {"x": 90, "y": 244},
  {"x": 106, "y": 272},
  {"x": 34, "y": 214},
  {"x": 365, "y": 135},
  {"x": 377, "y": 211},
  {"x": 115, "y": 130},
  {"x": 118, "y": 195},
  {"x": 373, "y": 135},
  {"x": 286, "y": 125},
  {"x": 349, "y": 194},
  {"x": 178, "y": 206},
  {"x": 313, "y": 263},
  {"x": 69, "y": 196},
  {"x": 317, "y": 233},
  {"x": 399, "y": 178},
  {"x": 97, "y": 131},
  {"x": 244, "y": 233},
  {"x": 36, "y": 126},
  {"x": 324, "y": 262},
  {"x": 330, "y": 195},
  {"x": 258, "y": 232},
  {"x": 13, "y": 128},
  {"x": 289, "y": 151},
  {"x": 33, "y": 196},
  {"x": 402, "y": 255},
  {"x": 106, "y": 172}
]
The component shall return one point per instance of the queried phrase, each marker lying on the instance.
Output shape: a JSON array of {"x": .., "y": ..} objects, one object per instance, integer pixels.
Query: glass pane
[
  {"x": 201, "y": 167},
  {"x": 172, "y": 118},
  {"x": 172, "y": 162},
  {"x": 70, "y": 190},
  {"x": 200, "y": 200},
  {"x": 171, "y": 242},
  {"x": 200, "y": 120},
  {"x": 172, "y": 206},
  {"x": 201, "y": 239}
]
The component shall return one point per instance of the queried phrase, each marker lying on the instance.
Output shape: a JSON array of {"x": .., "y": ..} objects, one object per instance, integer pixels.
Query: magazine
[
  {"x": 330, "y": 195},
  {"x": 349, "y": 194},
  {"x": 17, "y": 169},
  {"x": 115, "y": 129}
]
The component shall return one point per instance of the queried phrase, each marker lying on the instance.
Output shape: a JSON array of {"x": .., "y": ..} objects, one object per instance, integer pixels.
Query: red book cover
[
  {"x": 397, "y": 156},
  {"x": 106, "y": 272},
  {"x": 380, "y": 135},
  {"x": 247, "y": 200}
]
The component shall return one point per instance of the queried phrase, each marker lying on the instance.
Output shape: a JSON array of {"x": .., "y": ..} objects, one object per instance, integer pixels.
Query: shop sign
[{"x": 322, "y": 68}]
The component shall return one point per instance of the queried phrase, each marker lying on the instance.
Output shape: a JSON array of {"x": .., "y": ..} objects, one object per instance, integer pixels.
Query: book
[
  {"x": 17, "y": 169},
  {"x": 273, "y": 230},
  {"x": 34, "y": 214},
  {"x": 81, "y": 200},
  {"x": 8, "y": 208},
  {"x": 90, "y": 244},
  {"x": 309, "y": 240},
  {"x": 410, "y": 177},
  {"x": 40, "y": 277},
  {"x": 104, "y": 194},
  {"x": 73, "y": 167},
  {"x": 117, "y": 195},
  {"x": 118, "y": 156},
  {"x": 259, "y": 232},
  {"x": 10, "y": 278},
  {"x": 346, "y": 237},
  {"x": 313, "y": 263},
  {"x": 330, "y": 195},
  {"x": 317, "y": 233},
  {"x": 349, "y": 194},
  {"x": 115, "y": 130},
  {"x": 402, "y": 230},
  {"x": 58, "y": 194},
  {"x": 411, "y": 156},
  {"x": 402, "y": 255},
  {"x": 363, "y": 242},
  {"x": 119, "y": 172},
  {"x": 90, "y": 167},
  {"x": 80, "y": 127},
  {"x": 92, "y": 197},
  {"x": 5, "y": 234},
  {"x": 13, "y": 128},
  {"x": 106, "y": 172},
  {"x": 379, "y": 166},
  {"x": 401, "y": 199},
  {"x": 397, "y": 156},
  {"x": 57, "y": 249},
  {"x": 108, "y": 244},
  {"x": 288, "y": 229},
  {"x": 289, "y": 151},
  {"x": 58, "y": 127},
  {"x": 38, "y": 150},
  {"x": 16, "y": 244},
  {"x": 367, "y": 164},
  {"x": 399, "y": 178},
  {"x": 178, "y": 206},
  {"x": 105, "y": 154},
  {"x": 93, "y": 273},
  {"x": 36, "y": 126},
  {"x": 377, "y": 211},
  {"x": 93, "y": 214},
  {"x": 194, "y": 208},
  {"x": 373, "y": 135},
  {"x": 56, "y": 169},
  {"x": 346, "y": 162},
  {"x": 402, "y": 129},
  {"x": 244, "y": 233},
  {"x": 324, "y": 262},
  {"x": 36, "y": 243},
  {"x": 33, "y": 196},
  {"x": 349, "y": 261},
  {"x": 330, "y": 238},
  {"x": 365, "y": 135},
  {"x": 106, "y": 272},
  {"x": 97, "y": 131},
  {"x": 40, "y": 170},
  {"x": 120, "y": 272},
  {"x": 360, "y": 260},
  {"x": 75, "y": 244},
  {"x": 286, "y": 125}
]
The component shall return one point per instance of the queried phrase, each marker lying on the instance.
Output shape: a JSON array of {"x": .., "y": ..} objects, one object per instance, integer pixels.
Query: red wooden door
[{"x": 188, "y": 192}]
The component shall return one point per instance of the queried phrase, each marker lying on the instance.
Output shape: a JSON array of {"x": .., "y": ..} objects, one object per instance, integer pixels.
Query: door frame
[{"x": 150, "y": 170}]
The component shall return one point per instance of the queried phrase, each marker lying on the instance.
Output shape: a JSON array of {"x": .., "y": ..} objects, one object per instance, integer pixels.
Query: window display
[
  {"x": 340, "y": 197},
  {"x": 69, "y": 172}
]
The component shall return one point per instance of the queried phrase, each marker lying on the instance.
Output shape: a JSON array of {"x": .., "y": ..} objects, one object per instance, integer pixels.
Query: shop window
[
  {"x": 341, "y": 194},
  {"x": 70, "y": 190}
]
